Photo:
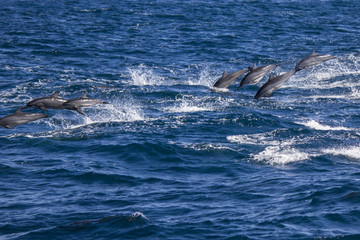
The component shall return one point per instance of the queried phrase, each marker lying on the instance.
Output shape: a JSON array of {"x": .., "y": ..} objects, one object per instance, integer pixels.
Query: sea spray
[
  {"x": 143, "y": 75},
  {"x": 123, "y": 109}
]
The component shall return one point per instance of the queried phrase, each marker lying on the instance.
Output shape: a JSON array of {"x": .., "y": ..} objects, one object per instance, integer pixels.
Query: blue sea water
[{"x": 168, "y": 158}]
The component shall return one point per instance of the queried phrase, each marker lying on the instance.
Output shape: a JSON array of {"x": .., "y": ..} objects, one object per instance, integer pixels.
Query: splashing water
[
  {"x": 143, "y": 75},
  {"x": 189, "y": 103}
]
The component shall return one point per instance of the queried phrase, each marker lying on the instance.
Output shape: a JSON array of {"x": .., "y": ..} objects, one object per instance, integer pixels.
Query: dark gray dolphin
[
  {"x": 84, "y": 101},
  {"x": 273, "y": 84},
  {"x": 228, "y": 79},
  {"x": 53, "y": 101},
  {"x": 256, "y": 74},
  {"x": 312, "y": 60},
  {"x": 19, "y": 117}
]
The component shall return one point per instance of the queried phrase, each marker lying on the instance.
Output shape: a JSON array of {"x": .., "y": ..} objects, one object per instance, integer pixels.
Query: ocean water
[{"x": 168, "y": 158}]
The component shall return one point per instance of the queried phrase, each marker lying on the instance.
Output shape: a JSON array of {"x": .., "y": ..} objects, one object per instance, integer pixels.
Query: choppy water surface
[{"x": 168, "y": 158}]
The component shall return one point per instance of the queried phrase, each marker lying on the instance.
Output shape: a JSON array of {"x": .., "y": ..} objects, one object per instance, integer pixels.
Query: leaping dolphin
[
  {"x": 273, "y": 84},
  {"x": 228, "y": 79},
  {"x": 53, "y": 101},
  {"x": 84, "y": 101},
  {"x": 19, "y": 117},
  {"x": 312, "y": 60},
  {"x": 256, "y": 74}
]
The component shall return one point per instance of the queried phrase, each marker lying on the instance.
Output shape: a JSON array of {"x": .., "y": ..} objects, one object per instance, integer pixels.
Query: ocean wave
[
  {"x": 277, "y": 151},
  {"x": 268, "y": 138},
  {"x": 318, "y": 126},
  {"x": 203, "y": 146},
  {"x": 280, "y": 155},
  {"x": 349, "y": 152}
]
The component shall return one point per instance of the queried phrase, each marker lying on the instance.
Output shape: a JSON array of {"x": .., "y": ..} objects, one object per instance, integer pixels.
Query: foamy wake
[{"x": 322, "y": 127}]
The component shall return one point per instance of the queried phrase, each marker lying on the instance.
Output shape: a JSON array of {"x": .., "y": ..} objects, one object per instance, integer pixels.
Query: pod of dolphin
[
  {"x": 254, "y": 75},
  {"x": 51, "y": 102}
]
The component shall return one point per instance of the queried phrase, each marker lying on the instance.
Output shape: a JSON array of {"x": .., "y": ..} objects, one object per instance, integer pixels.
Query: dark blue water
[{"x": 168, "y": 158}]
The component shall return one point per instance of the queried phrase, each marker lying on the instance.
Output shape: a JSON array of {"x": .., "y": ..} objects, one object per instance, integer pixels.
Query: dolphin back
[
  {"x": 256, "y": 74},
  {"x": 227, "y": 79},
  {"x": 311, "y": 60},
  {"x": 273, "y": 84},
  {"x": 19, "y": 117}
]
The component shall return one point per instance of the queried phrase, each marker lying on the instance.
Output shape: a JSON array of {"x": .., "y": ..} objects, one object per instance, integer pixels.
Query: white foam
[
  {"x": 189, "y": 103},
  {"x": 355, "y": 93},
  {"x": 259, "y": 139},
  {"x": 280, "y": 155},
  {"x": 143, "y": 75},
  {"x": 203, "y": 146},
  {"x": 252, "y": 139},
  {"x": 277, "y": 152},
  {"x": 215, "y": 89},
  {"x": 351, "y": 152},
  {"x": 317, "y": 126},
  {"x": 138, "y": 215}
]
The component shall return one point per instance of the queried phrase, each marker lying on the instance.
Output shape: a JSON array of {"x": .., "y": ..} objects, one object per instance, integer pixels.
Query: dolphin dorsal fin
[
  {"x": 18, "y": 110},
  {"x": 254, "y": 66},
  {"x": 84, "y": 95},
  {"x": 224, "y": 74},
  {"x": 313, "y": 53},
  {"x": 55, "y": 94},
  {"x": 271, "y": 76}
]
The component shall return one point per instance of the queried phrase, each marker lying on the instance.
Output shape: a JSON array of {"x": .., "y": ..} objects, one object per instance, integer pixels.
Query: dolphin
[
  {"x": 19, "y": 117},
  {"x": 53, "y": 101},
  {"x": 312, "y": 60},
  {"x": 228, "y": 79},
  {"x": 84, "y": 101},
  {"x": 273, "y": 84},
  {"x": 256, "y": 74}
]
